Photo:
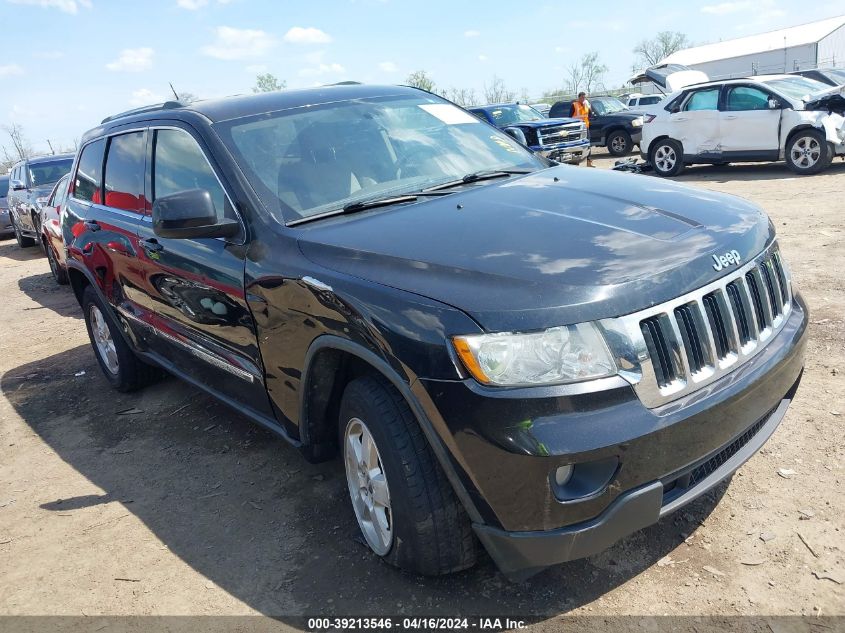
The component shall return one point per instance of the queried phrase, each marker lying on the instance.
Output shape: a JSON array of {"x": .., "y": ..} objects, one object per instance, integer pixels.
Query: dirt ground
[{"x": 164, "y": 502}]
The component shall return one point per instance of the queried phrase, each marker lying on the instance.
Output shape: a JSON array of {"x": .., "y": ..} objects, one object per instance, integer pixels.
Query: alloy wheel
[
  {"x": 806, "y": 152},
  {"x": 665, "y": 158},
  {"x": 618, "y": 144},
  {"x": 368, "y": 488},
  {"x": 51, "y": 259},
  {"x": 103, "y": 340}
]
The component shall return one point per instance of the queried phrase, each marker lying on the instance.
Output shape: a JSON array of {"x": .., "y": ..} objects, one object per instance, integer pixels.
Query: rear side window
[
  {"x": 125, "y": 164},
  {"x": 180, "y": 165},
  {"x": 703, "y": 100},
  {"x": 59, "y": 192},
  {"x": 649, "y": 100},
  {"x": 89, "y": 174}
]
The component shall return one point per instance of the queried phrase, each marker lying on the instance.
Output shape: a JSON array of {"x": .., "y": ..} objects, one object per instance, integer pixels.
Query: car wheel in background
[
  {"x": 619, "y": 143},
  {"x": 808, "y": 152},
  {"x": 121, "y": 367},
  {"x": 667, "y": 157},
  {"x": 23, "y": 242},
  {"x": 59, "y": 273},
  {"x": 405, "y": 506}
]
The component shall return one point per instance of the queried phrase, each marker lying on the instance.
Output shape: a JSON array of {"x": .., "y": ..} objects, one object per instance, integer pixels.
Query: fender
[{"x": 330, "y": 341}]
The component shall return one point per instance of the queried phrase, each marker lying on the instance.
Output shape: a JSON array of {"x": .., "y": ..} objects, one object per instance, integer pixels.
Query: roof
[
  {"x": 44, "y": 159},
  {"x": 773, "y": 40}
]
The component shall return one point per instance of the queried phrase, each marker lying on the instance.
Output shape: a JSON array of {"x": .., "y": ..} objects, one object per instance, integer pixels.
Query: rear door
[
  {"x": 748, "y": 126},
  {"x": 194, "y": 288},
  {"x": 696, "y": 124}
]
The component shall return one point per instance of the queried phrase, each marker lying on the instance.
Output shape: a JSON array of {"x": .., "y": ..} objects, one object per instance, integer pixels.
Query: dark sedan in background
[{"x": 5, "y": 223}]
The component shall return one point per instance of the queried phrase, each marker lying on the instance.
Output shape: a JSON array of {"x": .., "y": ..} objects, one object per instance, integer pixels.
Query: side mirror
[
  {"x": 516, "y": 133},
  {"x": 774, "y": 104},
  {"x": 17, "y": 185},
  {"x": 189, "y": 215}
]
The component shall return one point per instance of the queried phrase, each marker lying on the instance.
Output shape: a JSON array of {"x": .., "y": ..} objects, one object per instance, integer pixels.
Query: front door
[
  {"x": 194, "y": 288},
  {"x": 749, "y": 126},
  {"x": 696, "y": 124}
]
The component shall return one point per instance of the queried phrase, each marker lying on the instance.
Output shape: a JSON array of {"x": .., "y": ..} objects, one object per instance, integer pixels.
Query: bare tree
[
  {"x": 586, "y": 74},
  {"x": 650, "y": 52},
  {"x": 268, "y": 82},
  {"x": 420, "y": 79},
  {"x": 188, "y": 97},
  {"x": 462, "y": 96},
  {"x": 20, "y": 144},
  {"x": 497, "y": 92}
]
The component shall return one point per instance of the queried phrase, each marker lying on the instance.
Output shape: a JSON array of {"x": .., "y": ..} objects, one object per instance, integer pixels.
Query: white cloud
[
  {"x": 725, "y": 8},
  {"x": 10, "y": 69},
  {"x": 256, "y": 69},
  {"x": 388, "y": 67},
  {"x": 68, "y": 6},
  {"x": 234, "y": 43},
  {"x": 309, "y": 35},
  {"x": 133, "y": 60},
  {"x": 145, "y": 96},
  {"x": 472, "y": 33},
  {"x": 322, "y": 69},
  {"x": 482, "y": 58},
  {"x": 191, "y": 5}
]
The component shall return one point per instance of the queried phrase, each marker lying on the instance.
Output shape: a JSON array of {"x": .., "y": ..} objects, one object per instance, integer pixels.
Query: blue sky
[{"x": 66, "y": 64}]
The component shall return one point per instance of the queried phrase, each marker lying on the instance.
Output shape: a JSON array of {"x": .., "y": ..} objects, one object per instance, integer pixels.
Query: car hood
[
  {"x": 833, "y": 100},
  {"x": 558, "y": 246},
  {"x": 625, "y": 116},
  {"x": 544, "y": 123},
  {"x": 42, "y": 190}
]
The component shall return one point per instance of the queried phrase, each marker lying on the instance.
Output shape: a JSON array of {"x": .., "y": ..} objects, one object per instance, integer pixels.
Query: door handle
[
  {"x": 92, "y": 225},
  {"x": 681, "y": 118},
  {"x": 152, "y": 246},
  {"x": 730, "y": 117}
]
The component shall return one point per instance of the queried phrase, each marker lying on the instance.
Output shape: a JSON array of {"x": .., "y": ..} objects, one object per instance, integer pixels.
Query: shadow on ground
[
  {"x": 10, "y": 249},
  {"x": 49, "y": 295},
  {"x": 246, "y": 511}
]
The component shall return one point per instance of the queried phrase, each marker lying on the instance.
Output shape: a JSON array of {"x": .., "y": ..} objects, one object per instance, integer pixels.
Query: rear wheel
[
  {"x": 121, "y": 367},
  {"x": 667, "y": 157},
  {"x": 619, "y": 143},
  {"x": 405, "y": 506},
  {"x": 808, "y": 152}
]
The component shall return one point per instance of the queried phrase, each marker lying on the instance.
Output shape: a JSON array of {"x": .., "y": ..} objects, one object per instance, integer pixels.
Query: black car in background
[
  {"x": 5, "y": 222},
  {"x": 612, "y": 125},
  {"x": 829, "y": 76},
  {"x": 540, "y": 360},
  {"x": 30, "y": 184}
]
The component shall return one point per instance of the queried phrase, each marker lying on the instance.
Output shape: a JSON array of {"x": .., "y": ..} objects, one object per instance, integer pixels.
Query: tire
[
  {"x": 23, "y": 242},
  {"x": 422, "y": 528},
  {"x": 619, "y": 143},
  {"x": 666, "y": 157},
  {"x": 121, "y": 367},
  {"x": 808, "y": 152},
  {"x": 59, "y": 273}
]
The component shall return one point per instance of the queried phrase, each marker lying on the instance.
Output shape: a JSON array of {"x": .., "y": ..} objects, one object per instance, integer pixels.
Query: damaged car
[{"x": 763, "y": 118}]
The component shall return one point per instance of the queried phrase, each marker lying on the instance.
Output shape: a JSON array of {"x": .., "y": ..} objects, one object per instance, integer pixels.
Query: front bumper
[
  {"x": 505, "y": 444},
  {"x": 5, "y": 223},
  {"x": 570, "y": 153}
]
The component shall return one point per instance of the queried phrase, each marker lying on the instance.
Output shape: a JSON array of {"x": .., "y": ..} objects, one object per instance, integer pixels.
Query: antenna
[
  {"x": 173, "y": 90},
  {"x": 52, "y": 151}
]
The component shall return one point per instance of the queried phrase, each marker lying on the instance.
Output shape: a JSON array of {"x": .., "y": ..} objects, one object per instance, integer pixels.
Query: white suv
[{"x": 764, "y": 118}]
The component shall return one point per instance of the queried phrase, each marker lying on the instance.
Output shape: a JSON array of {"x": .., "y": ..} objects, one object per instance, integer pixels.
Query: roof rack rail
[{"x": 167, "y": 105}]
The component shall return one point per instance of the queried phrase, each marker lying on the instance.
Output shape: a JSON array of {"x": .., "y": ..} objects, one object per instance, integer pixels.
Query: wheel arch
[
  {"x": 330, "y": 363},
  {"x": 801, "y": 127}
]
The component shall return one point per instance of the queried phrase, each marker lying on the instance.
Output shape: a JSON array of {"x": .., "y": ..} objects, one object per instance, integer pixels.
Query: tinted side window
[
  {"x": 180, "y": 165},
  {"x": 125, "y": 164},
  {"x": 89, "y": 174},
  {"x": 746, "y": 98},
  {"x": 703, "y": 100},
  {"x": 649, "y": 100}
]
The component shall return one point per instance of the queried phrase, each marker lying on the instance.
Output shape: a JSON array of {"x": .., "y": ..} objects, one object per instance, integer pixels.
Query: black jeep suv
[
  {"x": 537, "y": 358},
  {"x": 30, "y": 184}
]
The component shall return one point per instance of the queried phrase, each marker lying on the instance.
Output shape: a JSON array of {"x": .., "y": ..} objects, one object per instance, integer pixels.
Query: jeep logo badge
[{"x": 728, "y": 259}]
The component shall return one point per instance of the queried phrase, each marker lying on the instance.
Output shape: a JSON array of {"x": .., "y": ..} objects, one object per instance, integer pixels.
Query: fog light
[{"x": 563, "y": 475}]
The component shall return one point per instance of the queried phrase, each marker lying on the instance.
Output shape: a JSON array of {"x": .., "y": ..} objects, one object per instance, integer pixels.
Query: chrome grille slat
[{"x": 688, "y": 342}]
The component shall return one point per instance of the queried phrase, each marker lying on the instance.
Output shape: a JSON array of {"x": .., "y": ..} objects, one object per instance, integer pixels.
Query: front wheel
[
  {"x": 23, "y": 241},
  {"x": 667, "y": 157},
  {"x": 121, "y": 367},
  {"x": 404, "y": 505},
  {"x": 619, "y": 143},
  {"x": 808, "y": 152},
  {"x": 59, "y": 273}
]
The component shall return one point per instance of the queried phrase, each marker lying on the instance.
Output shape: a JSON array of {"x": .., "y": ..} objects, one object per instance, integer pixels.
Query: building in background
[{"x": 815, "y": 45}]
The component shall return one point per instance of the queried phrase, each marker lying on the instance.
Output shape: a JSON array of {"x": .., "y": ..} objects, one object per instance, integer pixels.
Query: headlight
[
  {"x": 559, "y": 355},
  {"x": 638, "y": 122}
]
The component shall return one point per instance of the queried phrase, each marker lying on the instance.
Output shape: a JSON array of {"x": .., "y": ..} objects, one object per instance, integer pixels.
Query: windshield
[
  {"x": 606, "y": 105},
  {"x": 47, "y": 173},
  {"x": 836, "y": 74},
  {"x": 309, "y": 161},
  {"x": 510, "y": 114},
  {"x": 796, "y": 87}
]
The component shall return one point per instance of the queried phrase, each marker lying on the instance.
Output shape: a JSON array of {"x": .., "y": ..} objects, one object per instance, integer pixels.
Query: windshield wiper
[
  {"x": 478, "y": 175},
  {"x": 370, "y": 203}
]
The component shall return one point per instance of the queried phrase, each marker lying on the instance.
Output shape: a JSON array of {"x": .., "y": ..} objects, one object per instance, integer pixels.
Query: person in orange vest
[{"x": 581, "y": 110}]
